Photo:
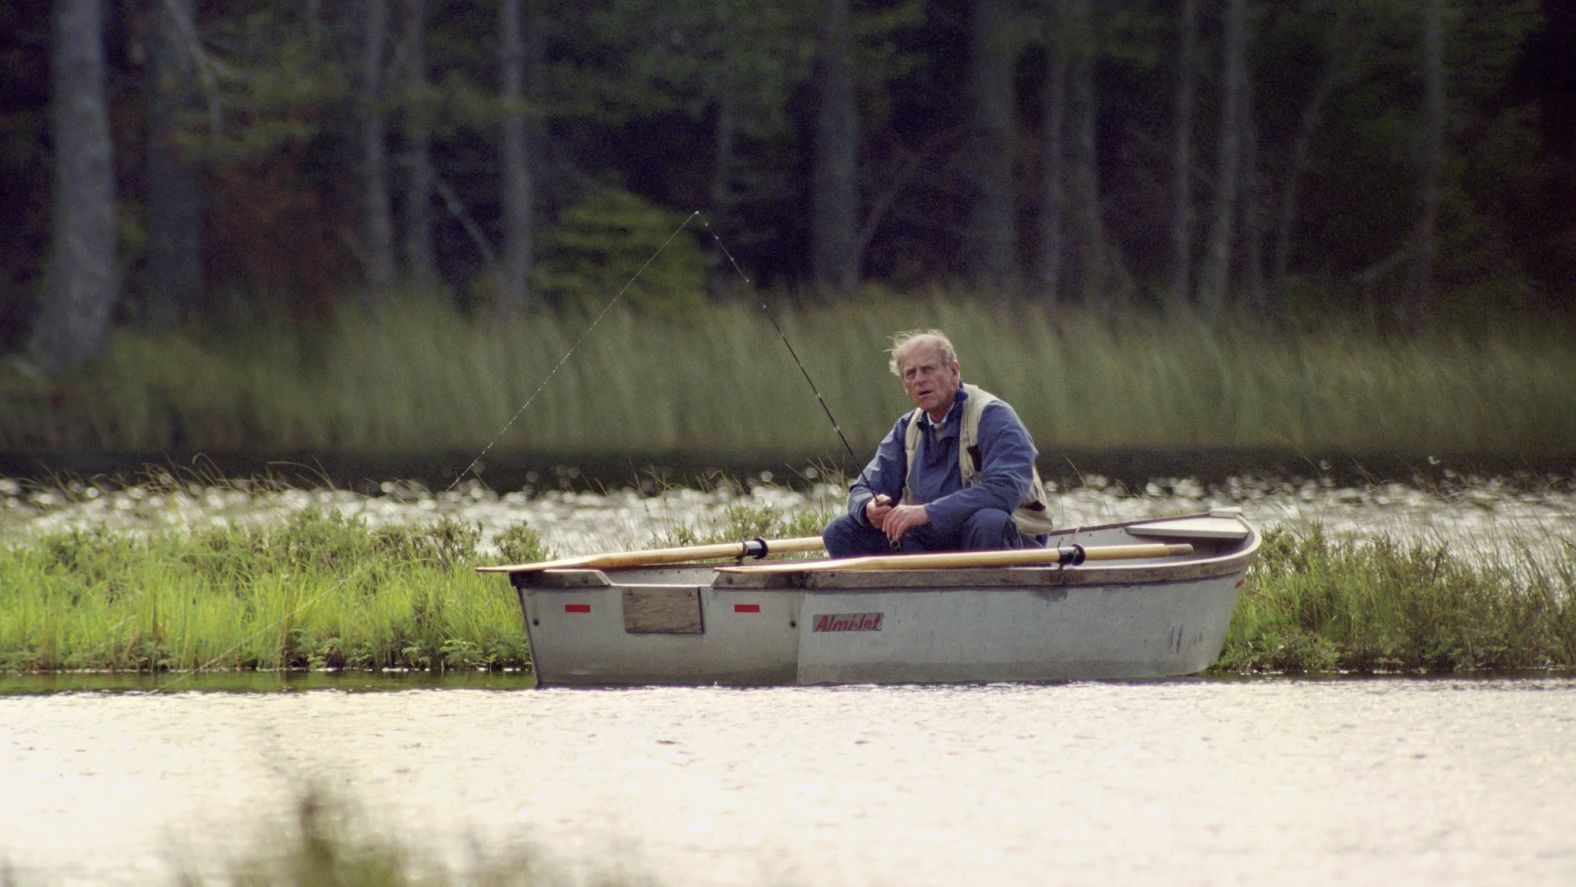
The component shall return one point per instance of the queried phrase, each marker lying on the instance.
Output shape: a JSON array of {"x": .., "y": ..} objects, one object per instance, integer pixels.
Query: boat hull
[{"x": 700, "y": 625}]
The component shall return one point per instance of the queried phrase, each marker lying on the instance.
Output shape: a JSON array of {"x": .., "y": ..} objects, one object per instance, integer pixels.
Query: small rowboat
[{"x": 1142, "y": 599}]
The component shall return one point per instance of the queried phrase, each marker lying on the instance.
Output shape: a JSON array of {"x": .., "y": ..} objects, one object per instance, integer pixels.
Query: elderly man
[{"x": 955, "y": 474}]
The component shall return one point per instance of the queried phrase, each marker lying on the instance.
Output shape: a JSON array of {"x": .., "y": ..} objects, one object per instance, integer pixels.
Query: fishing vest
[{"x": 1033, "y": 515}]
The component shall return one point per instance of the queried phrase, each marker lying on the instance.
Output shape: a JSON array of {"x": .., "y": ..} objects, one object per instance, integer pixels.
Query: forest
[{"x": 180, "y": 169}]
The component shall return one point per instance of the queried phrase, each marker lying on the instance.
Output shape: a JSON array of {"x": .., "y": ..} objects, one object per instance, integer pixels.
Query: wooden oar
[
  {"x": 1072, "y": 554},
  {"x": 651, "y": 556}
]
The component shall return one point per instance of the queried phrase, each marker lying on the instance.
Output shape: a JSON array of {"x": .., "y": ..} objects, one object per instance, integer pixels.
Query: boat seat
[{"x": 1220, "y": 524}]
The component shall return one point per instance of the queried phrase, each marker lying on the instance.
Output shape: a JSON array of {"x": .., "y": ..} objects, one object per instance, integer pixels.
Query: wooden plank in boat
[
  {"x": 656, "y": 610},
  {"x": 1193, "y": 528}
]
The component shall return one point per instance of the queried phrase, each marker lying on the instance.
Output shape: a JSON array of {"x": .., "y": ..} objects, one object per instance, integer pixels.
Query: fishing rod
[
  {"x": 345, "y": 580},
  {"x": 826, "y": 408},
  {"x": 786, "y": 344},
  {"x": 572, "y": 349}
]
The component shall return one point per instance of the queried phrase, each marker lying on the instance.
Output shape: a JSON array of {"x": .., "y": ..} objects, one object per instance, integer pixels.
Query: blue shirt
[{"x": 1007, "y": 457}]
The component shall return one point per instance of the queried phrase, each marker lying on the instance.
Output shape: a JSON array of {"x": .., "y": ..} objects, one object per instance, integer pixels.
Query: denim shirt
[{"x": 1007, "y": 457}]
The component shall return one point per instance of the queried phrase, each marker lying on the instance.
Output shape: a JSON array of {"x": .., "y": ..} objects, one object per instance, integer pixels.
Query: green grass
[
  {"x": 323, "y": 591},
  {"x": 721, "y": 382},
  {"x": 319, "y": 591},
  {"x": 1317, "y": 604},
  {"x": 316, "y": 591}
]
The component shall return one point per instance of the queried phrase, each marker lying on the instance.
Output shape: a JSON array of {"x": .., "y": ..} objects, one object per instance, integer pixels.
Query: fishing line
[
  {"x": 784, "y": 336},
  {"x": 345, "y": 580},
  {"x": 572, "y": 348}
]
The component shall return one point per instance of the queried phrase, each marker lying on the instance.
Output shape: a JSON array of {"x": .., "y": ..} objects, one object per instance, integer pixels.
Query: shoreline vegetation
[
  {"x": 714, "y": 380},
  {"x": 321, "y": 591}
]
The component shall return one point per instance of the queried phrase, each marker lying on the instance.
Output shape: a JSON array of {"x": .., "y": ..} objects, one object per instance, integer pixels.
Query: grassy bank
[
  {"x": 324, "y": 591},
  {"x": 424, "y": 377},
  {"x": 319, "y": 591},
  {"x": 1319, "y": 604}
]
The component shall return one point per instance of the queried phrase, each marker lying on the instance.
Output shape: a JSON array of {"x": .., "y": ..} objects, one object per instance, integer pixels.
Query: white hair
[{"x": 904, "y": 342}]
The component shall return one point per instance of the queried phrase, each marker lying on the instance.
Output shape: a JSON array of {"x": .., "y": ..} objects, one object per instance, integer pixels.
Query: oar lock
[
  {"x": 756, "y": 548},
  {"x": 1070, "y": 555}
]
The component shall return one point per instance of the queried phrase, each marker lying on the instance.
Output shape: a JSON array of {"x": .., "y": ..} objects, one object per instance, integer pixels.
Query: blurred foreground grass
[
  {"x": 328, "y": 842},
  {"x": 719, "y": 381}
]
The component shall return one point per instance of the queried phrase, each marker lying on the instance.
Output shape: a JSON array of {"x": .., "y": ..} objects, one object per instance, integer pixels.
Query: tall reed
[{"x": 720, "y": 382}]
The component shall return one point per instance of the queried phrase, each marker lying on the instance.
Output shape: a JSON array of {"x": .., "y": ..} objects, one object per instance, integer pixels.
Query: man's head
[{"x": 928, "y": 366}]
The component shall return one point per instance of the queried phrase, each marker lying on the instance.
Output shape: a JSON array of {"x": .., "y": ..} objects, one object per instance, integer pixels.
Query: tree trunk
[
  {"x": 1252, "y": 204},
  {"x": 1053, "y": 167},
  {"x": 316, "y": 30},
  {"x": 1422, "y": 289},
  {"x": 518, "y": 188},
  {"x": 1085, "y": 177},
  {"x": 1215, "y": 275},
  {"x": 1182, "y": 214},
  {"x": 538, "y": 153},
  {"x": 174, "y": 277},
  {"x": 377, "y": 227},
  {"x": 722, "y": 196},
  {"x": 80, "y": 290},
  {"x": 420, "y": 263},
  {"x": 992, "y": 230},
  {"x": 834, "y": 225},
  {"x": 1296, "y": 167}
]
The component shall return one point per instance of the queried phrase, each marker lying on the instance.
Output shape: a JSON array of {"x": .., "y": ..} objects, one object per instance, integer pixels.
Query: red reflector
[
  {"x": 746, "y": 608},
  {"x": 577, "y": 608}
]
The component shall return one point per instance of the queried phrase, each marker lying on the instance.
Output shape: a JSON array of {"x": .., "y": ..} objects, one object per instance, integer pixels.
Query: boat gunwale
[{"x": 1151, "y": 572}]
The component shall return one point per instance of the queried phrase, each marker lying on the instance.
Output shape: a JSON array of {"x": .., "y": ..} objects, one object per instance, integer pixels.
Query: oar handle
[{"x": 1123, "y": 552}]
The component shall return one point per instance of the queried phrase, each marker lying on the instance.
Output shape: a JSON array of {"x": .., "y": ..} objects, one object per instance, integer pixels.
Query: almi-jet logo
[{"x": 848, "y": 622}]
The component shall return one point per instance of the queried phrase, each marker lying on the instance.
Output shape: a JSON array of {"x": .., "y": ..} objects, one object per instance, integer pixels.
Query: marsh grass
[
  {"x": 1316, "y": 603},
  {"x": 317, "y": 591},
  {"x": 314, "y": 589},
  {"x": 423, "y": 376},
  {"x": 748, "y": 520},
  {"x": 324, "y": 591}
]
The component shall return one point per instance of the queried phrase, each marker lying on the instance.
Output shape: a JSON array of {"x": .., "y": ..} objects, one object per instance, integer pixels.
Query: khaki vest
[{"x": 1033, "y": 515}]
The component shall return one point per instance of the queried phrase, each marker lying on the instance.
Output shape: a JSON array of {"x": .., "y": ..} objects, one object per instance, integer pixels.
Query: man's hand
[
  {"x": 903, "y": 518},
  {"x": 877, "y": 509}
]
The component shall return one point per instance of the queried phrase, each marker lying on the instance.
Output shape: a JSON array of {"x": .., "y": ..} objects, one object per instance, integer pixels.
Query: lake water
[
  {"x": 1390, "y": 780},
  {"x": 1393, "y": 781}
]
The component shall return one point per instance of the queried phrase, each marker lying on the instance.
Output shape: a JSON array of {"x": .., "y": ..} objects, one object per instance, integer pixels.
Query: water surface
[
  {"x": 1476, "y": 513},
  {"x": 1180, "y": 782}
]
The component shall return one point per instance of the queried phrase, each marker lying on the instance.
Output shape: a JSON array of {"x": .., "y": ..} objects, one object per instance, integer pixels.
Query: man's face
[{"x": 930, "y": 382}]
